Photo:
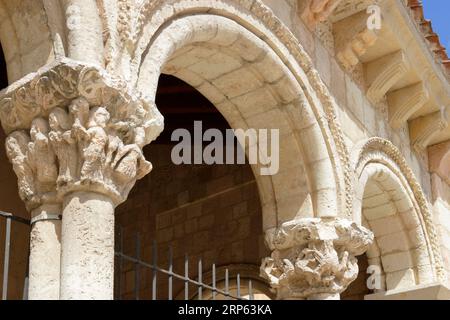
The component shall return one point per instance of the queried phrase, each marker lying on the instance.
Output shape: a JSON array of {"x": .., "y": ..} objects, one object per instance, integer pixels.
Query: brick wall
[{"x": 211, "y": 213}]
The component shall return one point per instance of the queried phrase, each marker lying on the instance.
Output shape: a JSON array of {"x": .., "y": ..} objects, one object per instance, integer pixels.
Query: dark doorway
[{"x": 3, "y": 72}]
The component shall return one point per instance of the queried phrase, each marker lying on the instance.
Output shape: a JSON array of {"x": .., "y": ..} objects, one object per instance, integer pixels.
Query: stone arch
[
  {"x": 390, "y": 201},
  {"x": 439, "y": 162},
  {"x": 27, "y": 46},
  {"x": 297, "y": 110}
]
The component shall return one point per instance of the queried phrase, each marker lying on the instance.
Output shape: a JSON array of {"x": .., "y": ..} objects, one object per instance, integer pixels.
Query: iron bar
[
  {"x": 214, "y": 281},
  {"x": 227, "y": 283},
  {"x": 6, "y": 258},
  {"x": 156, "y": 269},
  {"x": 137, "y": 273},
  {"x": 200, "y": 286},
  {"x": 238, "y": 283},
  {"x": 186, "y": 275},
  {"x": 14, "y": 218},
  {"x": 170, "y": 273}
]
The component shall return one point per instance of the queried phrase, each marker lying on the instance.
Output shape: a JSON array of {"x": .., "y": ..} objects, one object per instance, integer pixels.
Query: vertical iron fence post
[
  {"x": 227, "y": 284},
  {"x": 155, "y": 271},
  {"x": 6, "y": 258},
  {"x": 186, "y": 277},
  {"x": 214, "y": 281},
  {"x": 137, "y": 267},
  {"x": 170, "y": 273},
  {"x": 200, "y": 279}
]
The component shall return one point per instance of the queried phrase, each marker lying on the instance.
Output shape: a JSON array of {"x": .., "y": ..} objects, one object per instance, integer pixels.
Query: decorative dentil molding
[
  {"x": 312, "y": 257},
  {"x": 353, "y": 38},
  {"x": 73, "y": 128}
]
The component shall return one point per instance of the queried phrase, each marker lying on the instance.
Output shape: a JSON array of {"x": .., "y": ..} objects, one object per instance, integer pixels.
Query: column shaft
[
  {"x": 87, "y": 260},
  {"x": 45, "y": 253}
]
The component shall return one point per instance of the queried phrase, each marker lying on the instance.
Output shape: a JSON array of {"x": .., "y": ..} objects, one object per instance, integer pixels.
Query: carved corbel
[
  {"x": 314, "y": 258},
  {"x": 315, "y": 11},
  {"x": 403, "y": 103},
  {"x": 424, "y": 129},
  {"x": 353, "y": 38},
  {"x": 74, "y": 128},
  {"x": 382, "y": 74}
]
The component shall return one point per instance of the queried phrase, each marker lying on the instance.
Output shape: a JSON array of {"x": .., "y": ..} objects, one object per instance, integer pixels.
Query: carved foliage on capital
[
  {"x": 313, "y": 257},
  {"x": 90, "y": 137}
]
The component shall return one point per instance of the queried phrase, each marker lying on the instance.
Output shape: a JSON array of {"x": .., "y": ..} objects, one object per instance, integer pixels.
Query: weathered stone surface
[
  {"x": 85, "y": 133},
  {"x": 314, "y": 258}
]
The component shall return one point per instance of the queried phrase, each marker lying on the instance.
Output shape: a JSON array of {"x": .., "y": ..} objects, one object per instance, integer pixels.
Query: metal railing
[
  {"x": 140, "y": 265},
  {"x": 157, "y": 270},
  {"x": 9, "y": 218}
]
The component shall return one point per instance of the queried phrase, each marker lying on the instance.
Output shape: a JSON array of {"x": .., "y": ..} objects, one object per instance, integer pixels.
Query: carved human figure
[
  {"x": 41, "y": 156},
  {"x": 64, "y": 146},
  {"x": 95, "y": 140},
  {"x": 314, "y": 258},
  {"x": 129, "y": 162},
  {"x": 79, "y": 112},
  {"x": 320, "y": 265},
  {"x": 17, "y": 150}
]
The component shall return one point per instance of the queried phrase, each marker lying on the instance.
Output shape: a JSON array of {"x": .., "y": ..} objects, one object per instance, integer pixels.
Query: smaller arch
[
  {"x": 439, "y": 161},
  {"x": 390, "y": 201}
]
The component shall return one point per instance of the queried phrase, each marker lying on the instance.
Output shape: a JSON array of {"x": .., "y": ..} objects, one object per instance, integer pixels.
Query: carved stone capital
[
  {"x": 314, "y": 258},
  {"x": 74, "y": 128}
]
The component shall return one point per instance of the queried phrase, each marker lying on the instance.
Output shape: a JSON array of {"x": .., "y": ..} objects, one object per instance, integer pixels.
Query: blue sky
[{"x": 438, "y": 11}]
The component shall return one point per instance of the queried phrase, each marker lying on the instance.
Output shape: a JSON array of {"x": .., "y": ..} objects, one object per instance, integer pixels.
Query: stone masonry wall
[{"x": 211, "y": 213}]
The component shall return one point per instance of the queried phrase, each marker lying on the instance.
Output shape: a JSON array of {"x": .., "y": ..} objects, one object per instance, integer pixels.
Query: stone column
[
  {"x": 75, "y": 141},
  {"x": 35, "y": 166},
  {"x": 314, "y": 259},
  {"x": 45, "y": 252},
  {"x": 87, "y": 270}
]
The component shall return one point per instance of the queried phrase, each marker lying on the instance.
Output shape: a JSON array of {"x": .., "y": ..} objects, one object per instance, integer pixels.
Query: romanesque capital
[
  {"x": 72, "y": 127},
  {"x": 314, "y": 258}
]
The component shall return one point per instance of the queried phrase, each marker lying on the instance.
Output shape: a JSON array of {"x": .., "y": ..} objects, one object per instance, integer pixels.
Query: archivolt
[
  {"x": 255, "y": 18},
  {"x": 379, "y": 159},
  {"x": 27, "y": 46}
]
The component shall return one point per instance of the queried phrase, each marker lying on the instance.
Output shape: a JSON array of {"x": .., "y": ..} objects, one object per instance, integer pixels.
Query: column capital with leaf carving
[
  {"x": 314, "y": 258},
  {"x": 72, "y": 127}
]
